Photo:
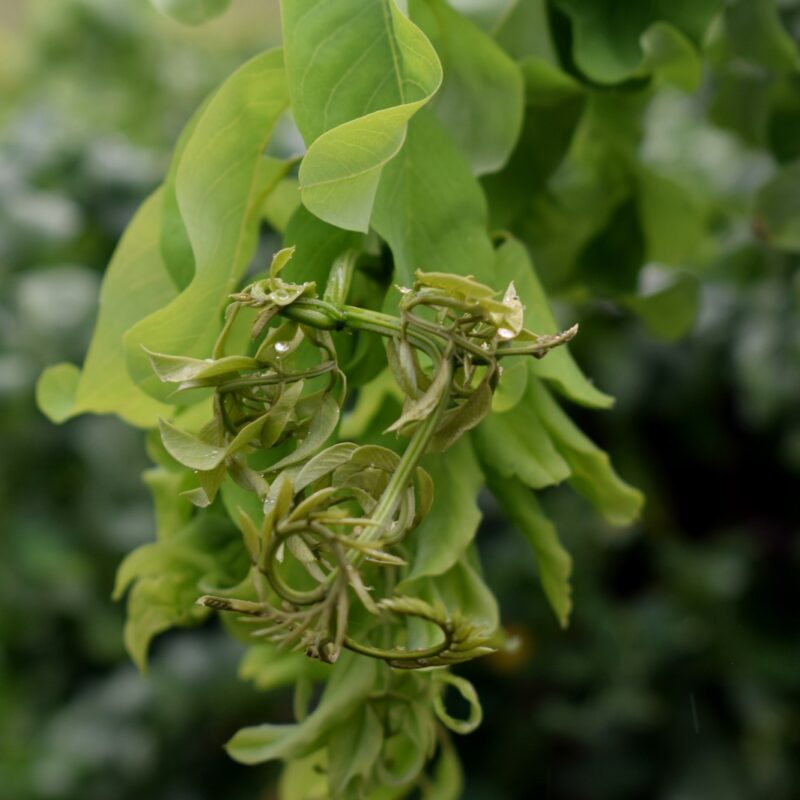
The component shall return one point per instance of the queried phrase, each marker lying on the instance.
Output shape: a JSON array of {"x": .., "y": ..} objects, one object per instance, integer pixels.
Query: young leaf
[
  {"x": 423, "y": 406},
  {"x": 187, "y": 449},
  {"x": 176, "y": 369},
  {"x": 350, "y": 683},
  {"x": 323, "y": 424},
  {"x": 353, "y": 751}
]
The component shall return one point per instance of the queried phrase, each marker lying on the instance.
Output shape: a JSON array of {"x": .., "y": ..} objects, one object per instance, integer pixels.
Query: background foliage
[{"x": 670, "y": 216}]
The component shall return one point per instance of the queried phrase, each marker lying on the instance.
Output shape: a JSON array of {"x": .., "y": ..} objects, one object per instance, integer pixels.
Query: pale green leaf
[
  {"x": 136, "y": 283},
  {"x": 354, "y": 750},
  {"x": 56, "y": 390},
  {"x": 351, "y": 681},
  {"x": 188, "y": 449},
  {"x": 220, "y": 184}
]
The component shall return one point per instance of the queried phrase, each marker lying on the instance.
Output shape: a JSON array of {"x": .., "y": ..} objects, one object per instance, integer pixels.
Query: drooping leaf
[
  {"x": 515, "y": 444},
  {"x": 557, "y": 367},
  {"x": 350, "y": 683},
  {"x": 220, "y": 184},
  {"x": 454, "y": 516},
  {"x": 167, "y": 577},
  {"x": 553, "y": 562},
  {"x": 353, "y": 752},
  {"x": 136, "y": 284},
  {"x": 190, "y": 450},
  {"x": 591, "y": 473}
]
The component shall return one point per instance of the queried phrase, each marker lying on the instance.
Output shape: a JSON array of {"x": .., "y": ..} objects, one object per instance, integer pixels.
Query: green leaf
[
  {"x": 673, "y": 218},
  {"x": 267, "y": 667},
  {"x": 176, "y": 369},
  {"x": 553, "y": 562},
  {"x": 511, "y": 387},
  {"x": 454, "y": 517},
  {"x": 448, "y": 781},
  {"x": 358, "y": 70},
  {"x": 515, "y": 444},
  {"x": 224, "y": 153},
  {"x": 56, "y": 390},
  {"x": 468, "y": 693},
  {"x": 136, "y": 283},
  {"x": 323, "y": 424},
  {"x": 670, "y": 311},
  {"x": 191, "y": 12},
  {"x": 608, "y": 36},
  {"x": 481, "y": 98},
  {"x": 189, "y": 450},
  {"x": 352, "y": 679},
  {"x": 422, "y": 407},
  {"x": 591, "y": 472},
  {"x": 353, "y": 751},
  {"x": 523, "y": 31},
  {"x": 324, "y": 463},
  {"x": 757, "y": 34},
  {"x": 317, "y": 244},
  {"x": 176, "y": 249},
  {"x": 777, "y": 211},
  {"x": 557, "y": 367},
  {"x": 168, "y": 577},
  {"x": 430, "y": 209},
  {"x": 670, "y": 57}
]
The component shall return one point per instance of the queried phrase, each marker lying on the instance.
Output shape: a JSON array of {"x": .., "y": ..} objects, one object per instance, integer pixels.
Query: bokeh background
[{"x": 679, "y": 677}]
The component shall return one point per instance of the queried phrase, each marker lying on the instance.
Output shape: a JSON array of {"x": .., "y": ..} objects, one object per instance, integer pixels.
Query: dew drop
[
  {"x": 281, "y": 347},
  {"x": 505, "y": 333}
]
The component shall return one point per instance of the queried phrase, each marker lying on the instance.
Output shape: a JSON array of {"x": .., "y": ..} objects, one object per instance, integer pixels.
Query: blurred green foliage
[{"x": 678, "y": 676}]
